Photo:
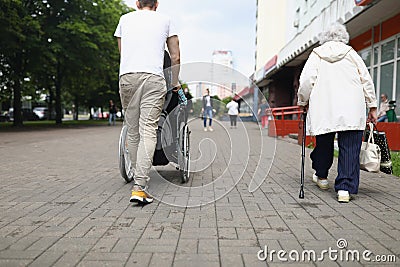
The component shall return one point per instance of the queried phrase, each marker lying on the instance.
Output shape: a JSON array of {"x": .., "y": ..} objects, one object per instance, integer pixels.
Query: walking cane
[{"x": 303, "y": 155}]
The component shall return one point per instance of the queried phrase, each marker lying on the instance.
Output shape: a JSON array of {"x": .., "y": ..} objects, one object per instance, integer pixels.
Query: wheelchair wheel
[
  {"x": 124, "y": 159},
  {"x": 184, "y": 152}
]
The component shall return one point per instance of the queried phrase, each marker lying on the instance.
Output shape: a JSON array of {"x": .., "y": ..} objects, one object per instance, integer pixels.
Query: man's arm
[
  {"x": 119, "y": 44},
  {"x": 175, "y": 53}
]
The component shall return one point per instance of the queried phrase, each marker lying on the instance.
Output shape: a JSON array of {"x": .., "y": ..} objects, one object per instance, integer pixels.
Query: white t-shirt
[
  {"x": 233, "y": 108},
  {"x": 143, "y": 36},
  {"x": 208, "y": 101}
]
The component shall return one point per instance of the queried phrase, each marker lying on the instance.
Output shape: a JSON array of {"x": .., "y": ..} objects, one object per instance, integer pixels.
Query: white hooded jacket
[{"x": 338, "y": 88}]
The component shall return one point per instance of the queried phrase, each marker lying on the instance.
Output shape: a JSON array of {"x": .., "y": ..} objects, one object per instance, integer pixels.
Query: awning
[
  {"x": 244, "y": 92},
  {"x": 268, "y": 67},
  {"x": 362, "y": 2},
  {"x": 271, "y": 63}
]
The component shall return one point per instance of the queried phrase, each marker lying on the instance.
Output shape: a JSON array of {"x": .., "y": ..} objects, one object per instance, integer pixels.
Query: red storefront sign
[
  {"x": 362, "y": 2},
  {"x": 271, "y": 63}
]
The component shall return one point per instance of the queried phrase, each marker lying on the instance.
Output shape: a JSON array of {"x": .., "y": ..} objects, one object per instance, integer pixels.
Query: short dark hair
[{"x": 148, "y": 3}]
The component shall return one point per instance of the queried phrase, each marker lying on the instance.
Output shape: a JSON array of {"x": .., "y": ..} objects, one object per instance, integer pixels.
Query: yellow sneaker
[{"x": 140, "y": 196}]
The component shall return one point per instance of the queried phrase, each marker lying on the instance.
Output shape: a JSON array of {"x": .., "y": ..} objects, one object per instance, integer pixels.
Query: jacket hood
[{"x": 332, "y": 51}]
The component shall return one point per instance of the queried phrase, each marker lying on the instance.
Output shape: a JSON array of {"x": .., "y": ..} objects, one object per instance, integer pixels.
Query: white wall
[{"x": 271, "y": 25}]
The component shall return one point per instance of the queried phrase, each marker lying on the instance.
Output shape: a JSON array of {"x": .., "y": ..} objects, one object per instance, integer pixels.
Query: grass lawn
[
  {"x": 4, "y": 126},
  {"x": 396, "y": 163}
]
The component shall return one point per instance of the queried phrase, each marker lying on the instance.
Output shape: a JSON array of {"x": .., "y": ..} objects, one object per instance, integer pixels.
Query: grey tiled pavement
[{"x": 63, "y": 203}]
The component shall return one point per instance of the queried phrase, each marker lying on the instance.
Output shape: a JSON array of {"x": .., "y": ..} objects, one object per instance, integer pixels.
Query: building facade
[
  {"x": 269, "y": 13},
  {"x": 374, "y": 28}
]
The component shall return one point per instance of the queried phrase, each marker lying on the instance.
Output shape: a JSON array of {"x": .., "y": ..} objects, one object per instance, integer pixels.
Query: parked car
[
  {"x": 41, "y": 112},
  {"x": 27, "y": 115},
  {"x": 4, "y": 117}
]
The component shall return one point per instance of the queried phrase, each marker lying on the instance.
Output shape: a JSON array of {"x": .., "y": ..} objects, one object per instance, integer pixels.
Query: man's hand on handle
[
  {"x": 372, "y": 116},
  {"x": 176, "y": 88}
]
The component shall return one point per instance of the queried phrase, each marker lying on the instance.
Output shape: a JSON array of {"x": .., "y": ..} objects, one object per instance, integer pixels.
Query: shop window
[
  {"x": 387, "y": 51},
  {"x": 398, "y": 82},
  {"x": 376, "y": 55},
  {"x": 376, "y": 78},
  {"x": 366, "y": 56},
  {"x": 305, "y": 6},
  {"x": 398, "y": 48},
  {"x": 386, "y": 83},
  {"x": 296, "y": 21},
  {"x": 398, "y": 88},
  {"x": 383, "y": 63}
]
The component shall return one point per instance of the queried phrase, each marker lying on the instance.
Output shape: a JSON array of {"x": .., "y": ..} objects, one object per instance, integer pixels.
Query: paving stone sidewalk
[{"x": 63, "y": 203}]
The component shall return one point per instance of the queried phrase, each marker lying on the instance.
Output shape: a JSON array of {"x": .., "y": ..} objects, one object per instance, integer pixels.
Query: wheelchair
[{"x": 173, "y": 135}]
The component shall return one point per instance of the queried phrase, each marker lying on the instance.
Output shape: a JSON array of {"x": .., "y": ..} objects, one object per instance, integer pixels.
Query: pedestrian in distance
[
  {"x": 207, "y": 111},
  {"x": 112, "y": 112},
  {"x": 337, "y": 88},
  {"x": 382, "y": 116},
  {"x": 142, "y": 36},
  {"x": 262, "y": 112},
  {"x": 233, "y": 112}
]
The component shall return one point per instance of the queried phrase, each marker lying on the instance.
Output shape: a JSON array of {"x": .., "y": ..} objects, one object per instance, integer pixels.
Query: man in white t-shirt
[
  {"x": 142, "y": 36},
  {"x": 233, "y": 112},
  {"x": 207, "y": 110}
]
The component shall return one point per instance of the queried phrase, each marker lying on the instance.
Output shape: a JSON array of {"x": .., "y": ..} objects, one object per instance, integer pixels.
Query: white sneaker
[
  {"x": 205, "y": 129},
  {"x": 343, "y": 196},
  {"x": 210, "y": 129},
  {"x": 322, "y": 183},
  {"x": 314, "y": 178}
]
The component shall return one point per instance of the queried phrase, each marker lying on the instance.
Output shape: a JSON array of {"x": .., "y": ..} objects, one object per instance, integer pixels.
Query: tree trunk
[
  {"x": 58, "y": 95},
  {"x": 17, "y": 104},
  {"x": 18, "y": 91},
  {"x": 76, "y": 113},
  {"x": 50, "y": 104}
]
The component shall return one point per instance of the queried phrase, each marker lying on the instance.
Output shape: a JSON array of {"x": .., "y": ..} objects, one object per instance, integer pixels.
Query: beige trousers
[{"x": 142, "y": 97}]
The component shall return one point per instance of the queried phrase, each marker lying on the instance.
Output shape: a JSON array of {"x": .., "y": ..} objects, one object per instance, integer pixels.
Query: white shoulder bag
[{"x": 370, "y": 154}]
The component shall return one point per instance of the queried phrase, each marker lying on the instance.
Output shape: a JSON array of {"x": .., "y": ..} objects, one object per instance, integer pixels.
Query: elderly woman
[{"x": 337, "y": 88}]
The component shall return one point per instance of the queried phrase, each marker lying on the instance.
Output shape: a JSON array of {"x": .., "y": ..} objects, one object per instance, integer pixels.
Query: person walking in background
[
  {"x": 142, "y": 36},
  {"x": 112, "y": 111},
  {"x": 233, "y": 112},
  {"x": 207, "y": 110},
  {"x": 337, "y": 87},
  {"x": 262, "y": 112},
  {"x": 383, "y": 108}
]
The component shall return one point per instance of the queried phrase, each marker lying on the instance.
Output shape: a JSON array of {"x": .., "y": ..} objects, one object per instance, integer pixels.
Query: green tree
[
  {"x": 64, "y": 49},
  {"x": 86, "y": 52},
  {"x": 19, "y": 47},
  {"x": 227, "y": 99}
]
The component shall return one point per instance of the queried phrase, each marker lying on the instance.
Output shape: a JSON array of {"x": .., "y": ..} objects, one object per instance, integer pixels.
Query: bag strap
[
  {"x": 371, "y": 133},
  {"x": 376, "y": 128}
]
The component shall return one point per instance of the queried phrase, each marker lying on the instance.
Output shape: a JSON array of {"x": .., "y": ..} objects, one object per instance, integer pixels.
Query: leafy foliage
[
  {"x": 396, "y": 163},
  {"x": 64, "y": 49}
]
